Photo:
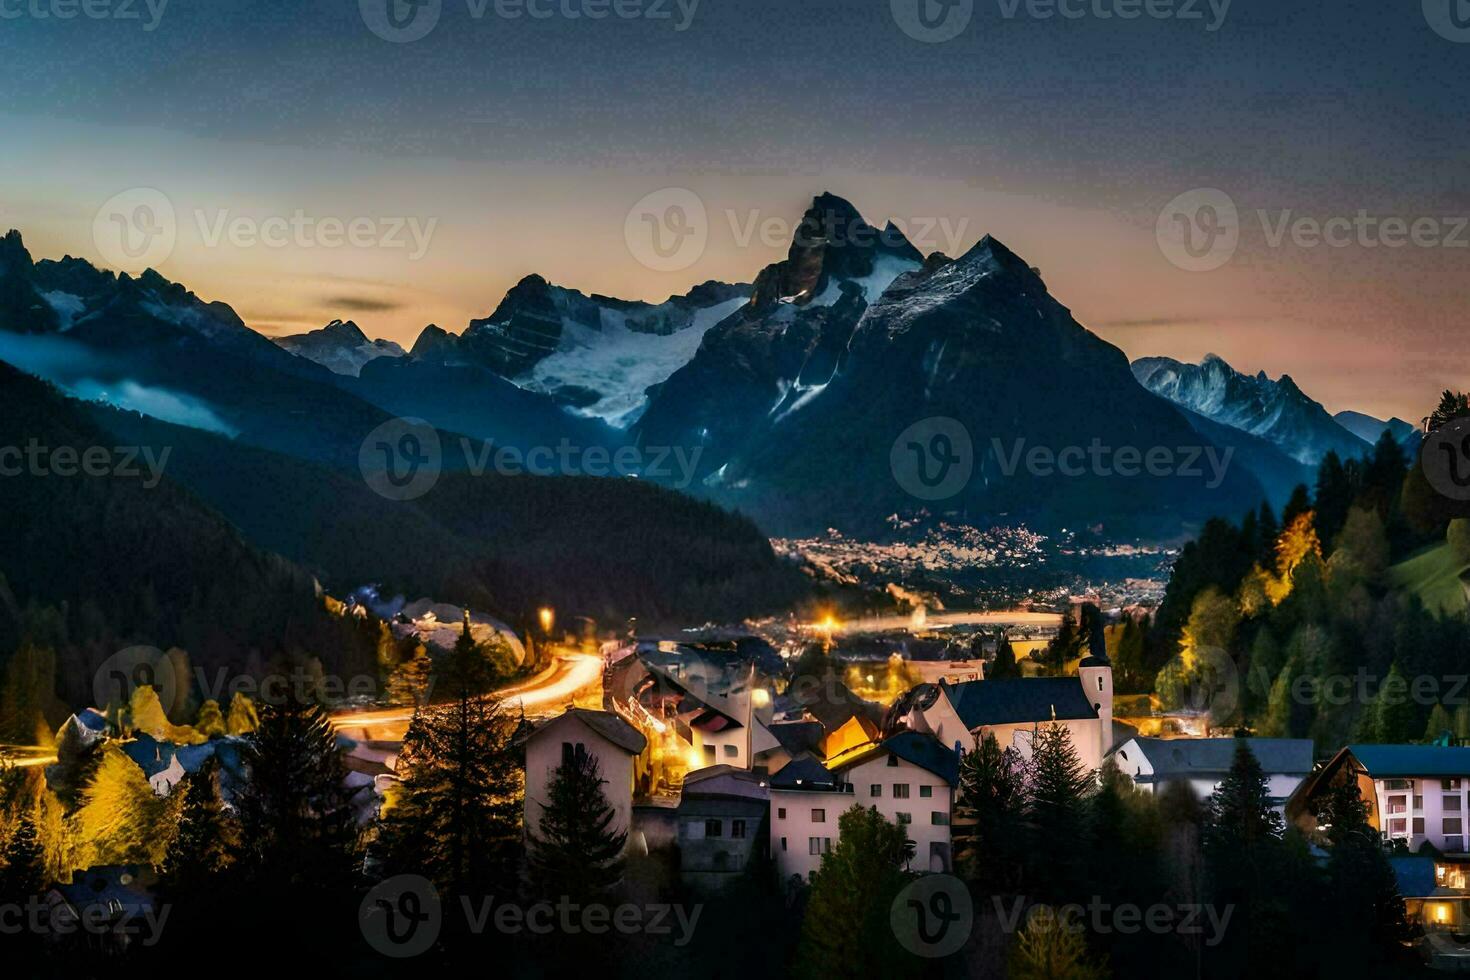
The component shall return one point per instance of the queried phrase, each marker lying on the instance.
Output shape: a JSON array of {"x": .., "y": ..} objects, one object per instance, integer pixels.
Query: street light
[{"x": 548, "y": 617}]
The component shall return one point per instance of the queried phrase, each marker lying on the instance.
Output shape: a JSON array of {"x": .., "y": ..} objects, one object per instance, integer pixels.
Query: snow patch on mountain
[{"x": 619, "y": 364}]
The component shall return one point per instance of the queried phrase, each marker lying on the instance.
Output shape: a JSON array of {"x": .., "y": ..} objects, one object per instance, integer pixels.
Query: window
[
  {"x": 893, "y": 760},
  {"x": 1395, "y": 826},
  {"x": 876, "y": 789},
  {"x": 1397, "y": 804},
  {"x": 1451, "y": 804},
  {"x": 904, "y": 818},
  {"x": 572, "y": 753},
  {"x": 731, "y": 751},
  {"x": 737, "y": 828},
  {"x": 714, "y": 828},
  {"x": 780, "y": 813},
  {"x": 939, "y": 818},
  {"x": 1452, "y": 825},
  {"x": 819, "y": 816},
  {"x": 1099, "y": 682},
  {"x": 926, "y": 792},
  {"x": 1392, "y": 784},
  {"x": 709, "y": 754},
  {"x": 1418, "y": 802},
  {"x": 900, "y": 791},
  {"x": 1419, "y": 826},
  {"x": 783, "y": 843},
  {"x": 819, "y": 845},
  {"x": 1449, "y": 784}
]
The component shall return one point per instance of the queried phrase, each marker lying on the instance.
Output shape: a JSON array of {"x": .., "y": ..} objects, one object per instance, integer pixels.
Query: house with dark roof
[
  {"x": 806, "y": 800},
  {"x": 722, "y": 834},
  {"x": 1204, "y": 762},
  {"x": 1417, "y": 794},
  {"x": 1014, "y": 710},
  {"x": 616, "y": 744},
  {"x": 911, "y": 778}
]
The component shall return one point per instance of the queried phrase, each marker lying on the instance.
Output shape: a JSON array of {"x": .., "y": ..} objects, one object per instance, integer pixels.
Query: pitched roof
[
  {"x": 1389, "y": 761},
  {"x": 1202, "y": 757},
  {"x": 919, "y": 748},
  {"x": 799, "y": 736},
  {"x": 605, "y": 723},
  {"x": 1013, "y": 701},
  {"x": 805, "y": 773}
]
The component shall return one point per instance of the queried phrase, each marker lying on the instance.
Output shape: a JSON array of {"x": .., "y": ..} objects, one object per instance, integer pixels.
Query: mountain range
[
  {"x": 1277, "y": 411},
  {"x": 787, "y": 394}
]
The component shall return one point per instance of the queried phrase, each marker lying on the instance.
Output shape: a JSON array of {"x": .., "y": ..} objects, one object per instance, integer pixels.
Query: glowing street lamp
[{"x": 548, "y": 618}]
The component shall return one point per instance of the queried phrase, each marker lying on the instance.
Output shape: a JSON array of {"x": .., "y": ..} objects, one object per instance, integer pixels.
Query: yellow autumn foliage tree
[
  {"x": 1297, "y": 540},
  {"x": 121, "y": 820}
]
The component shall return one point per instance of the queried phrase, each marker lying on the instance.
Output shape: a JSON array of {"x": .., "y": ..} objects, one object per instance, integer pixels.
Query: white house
[
  {"x": 1014, "y": 710},
  {"x": 806, "y": 800},
  {"x": 581, "y": 732},
  {"x": 1204, "y": 762},
  {"x": 1415, "y": 793},
  {"x": 911, "y": 778}
]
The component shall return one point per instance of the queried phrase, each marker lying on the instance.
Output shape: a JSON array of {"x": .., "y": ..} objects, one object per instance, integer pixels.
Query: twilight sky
[{"x": 520, "y": 144}]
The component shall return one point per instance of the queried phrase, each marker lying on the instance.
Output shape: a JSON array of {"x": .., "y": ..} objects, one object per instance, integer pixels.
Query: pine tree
[
  {"x": 1049, "y": 949},
  {"x": 457, "y": 816},
  {"x": 1242, "y": 845},
  {"x": 243, "y": 718},
  {"x": 1005, "y": 660},
  {"x": 1364, "y": 905},
  {"x": 207, "y": 837},
  {"x": 575, "y": 851},
  {"x": 1440, "y": 725},
  {"x": 992, "y": 802},
  {"x": 1056, "y": 815},
  {"x": 847, "y": 930},
  {"x": 1395, "y": 717},
  {"x": 22, "y": 861},
  {"x": 1333, "y": 498},
  {"x": 297, "y": 829}
]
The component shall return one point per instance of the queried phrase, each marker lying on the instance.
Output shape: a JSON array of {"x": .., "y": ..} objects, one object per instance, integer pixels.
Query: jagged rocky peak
[
  {"x": 832, "y": 243},
  {"x": 345, "y": 330},
  {"x": 434, "y": 343}
]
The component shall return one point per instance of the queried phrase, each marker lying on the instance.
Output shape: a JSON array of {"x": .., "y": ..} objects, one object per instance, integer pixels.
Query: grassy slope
[{"x": 1434, "y": 574}]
